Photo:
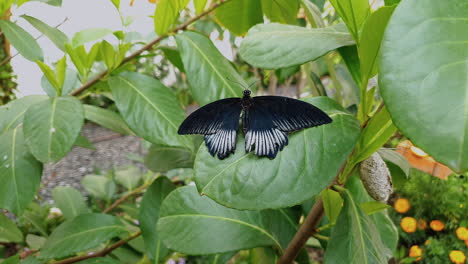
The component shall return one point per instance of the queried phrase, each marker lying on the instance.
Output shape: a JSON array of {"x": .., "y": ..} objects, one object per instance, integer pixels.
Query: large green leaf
[
  {"x": 355, "y": 238},
  {"x": 81, "y": 233},
  {"x": 149, "y": 215},
  {"x": 149, "y": 108},
  {"x": 107, "y": 118},
  {"x": 99, "y": 186},
  {"x": 70, "y": 201},
  {"x": 20, "y": 172},
  {"x": 166, "y": 14},
  {"x": 240, "y": 15},
  {"x": 52, "y": 126},
  {"x": 8, "y": 230},
  {"x": 11, "y": 114},
  {"x": 195, "y": 224},
  {"x": 353, "y": 13},
  {"x": 282, "y": 11},
  {"x": 162, "y": 158},
  {"x": 301, "y": 170},
  {"x": 211, "y": 76},
  {"x": 128, "y": 177},
  {"x": 274, "y": 46},
  {"x": 23, "y": 42},
  {"x": 88, "y": 35},
  {"x": 423, "y": 77},
  {"x": 54, "y": 34}
]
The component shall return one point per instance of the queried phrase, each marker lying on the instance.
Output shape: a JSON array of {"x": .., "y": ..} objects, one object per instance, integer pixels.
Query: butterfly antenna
[
  {"x": 243, "y": 85},
  {"x": 252, "y": 84}
]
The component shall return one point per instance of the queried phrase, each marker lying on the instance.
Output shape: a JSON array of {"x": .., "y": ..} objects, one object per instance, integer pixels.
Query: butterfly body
[{"x": 266, "y": 122}]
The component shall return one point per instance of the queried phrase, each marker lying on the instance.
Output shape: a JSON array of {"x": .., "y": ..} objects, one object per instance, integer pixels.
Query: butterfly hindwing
[
  {"x": 219, "y": 122},
  {"x": 269, "y": 118}
]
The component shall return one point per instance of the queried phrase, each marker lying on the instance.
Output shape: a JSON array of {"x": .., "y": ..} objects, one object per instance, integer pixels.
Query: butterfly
[{"x": 266, "y": 122}]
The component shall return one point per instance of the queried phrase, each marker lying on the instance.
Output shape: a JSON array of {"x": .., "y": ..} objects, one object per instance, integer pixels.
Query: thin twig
[
  {"x": 148, "y": 46},
  {"x": 125, "y": 197},
  {"x": 101, "y": 253}
]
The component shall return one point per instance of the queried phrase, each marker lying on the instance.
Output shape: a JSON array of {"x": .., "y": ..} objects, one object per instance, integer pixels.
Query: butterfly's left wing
[
  {"x": 270, "y": 118},
  {"x": 219, "y": 122}
]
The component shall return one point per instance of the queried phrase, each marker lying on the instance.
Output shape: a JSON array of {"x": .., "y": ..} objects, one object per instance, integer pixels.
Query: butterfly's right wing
[{"x": 219, "y": 122}]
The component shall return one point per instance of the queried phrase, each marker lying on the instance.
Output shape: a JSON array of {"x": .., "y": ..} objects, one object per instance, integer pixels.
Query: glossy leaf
[
  {"x": 99, "y": 186},
  {"x": 301, "y": 170},
  {"x": 185, "y": 218},
  {"x": 9, "y": 233},
  {"x": 211, "y": 76},
  {"x": 173, "y": 55},
  {"x": 353, "y": 13},
  {"x": 372, "y": 207},
  {"x": 281, "y": 11},
  {"x": 55, "y": 35},
  {"x": 240, "y": 15},
  {"x": 70, "y": 201},
  {"x": 149, "y": 108},
  {"x": 20, "y": 172},
  {"x": 11, "y": 114},
  {"x": 423, "y": 77},
  {"x": 149, "y": 215},
  {"x": 21, "y": 40},
  {"x": 274, "y": 46},
  {"x": 396, "y": 158},
  {"x": 313, "y": 13},
  {"x": 71, "y": 83},
  {"x": 166, "y": 14},
  {"x": 128, "y": 177},
  {"x": 354, "y": 238},
  {"x": 81, "y": 233},
  {"x": 351, "y": 59},
  {"x": 49, "y": 74},
  {"x": 199, "y": 5},
  {"x": 106, "y": 118},
  {"x": 162, "y": 158},
  {"x": 88, "y": 35},
  {"x": 52, "y": 126},
  {"x": 332, "y": 203}
]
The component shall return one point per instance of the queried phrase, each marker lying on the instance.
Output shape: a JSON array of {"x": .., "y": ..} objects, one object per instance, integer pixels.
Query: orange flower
[
  {"x": 427, "y": 242},
  {"x": 462, "y": 233},
  {"x": 152, "y": 1},
  {"x": 466, "y": 242},
  {"x": 437, "y": 225},
  {"x": 408, "y": 224},
  {"x": 401, "y": 205},
  {"x": 415, "y": 252},
  {"x": 457, "y": 257},
  {"x": 422, "y": 224}
]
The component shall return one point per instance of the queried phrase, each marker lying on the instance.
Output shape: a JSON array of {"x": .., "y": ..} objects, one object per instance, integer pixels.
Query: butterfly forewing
[{"x": 219, "y": 122}]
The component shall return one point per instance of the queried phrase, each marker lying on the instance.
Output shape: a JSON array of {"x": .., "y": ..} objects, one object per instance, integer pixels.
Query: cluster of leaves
[
  {"x": 248, "y": 202},
  {"x": 429, "y": 201}
]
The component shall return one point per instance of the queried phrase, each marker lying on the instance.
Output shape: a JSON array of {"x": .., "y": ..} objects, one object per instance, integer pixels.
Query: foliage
[{"x": 288, "y": 47}]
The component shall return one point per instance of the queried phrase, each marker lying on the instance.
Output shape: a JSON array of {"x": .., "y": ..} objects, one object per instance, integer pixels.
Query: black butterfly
[{"x": 266, "y": 121}]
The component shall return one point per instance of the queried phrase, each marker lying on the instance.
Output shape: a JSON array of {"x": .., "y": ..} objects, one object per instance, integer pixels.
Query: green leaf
[
  {"x": 425, "y": 90},
  {"x": 301, "y": 170},
  {"x": 81, "y": 233},
  {"x": 351, "y": 59},
  {"x": 282, "y": 11},
  {"x": 70, "y": 201},
  {"x": 107, "y": 260},
  {"x": 397, "y": 159},
  {"x": 88, "y": 35},
  {"x": 371, "y": 37},
  {"x": 12, "y": 260},
  {"x": 274, "y": 46},
  {"x": 99, "y": 186},
  {"x": 149, "y": 108},
  {"x": 128, "y": 177},
  {"x": 163, "y": 158},
  {"x": 194, "y": 224},
  {"x": 210, "y": 74},
  {"x": 71, "y": 83},
  {"x": 372, "y": 207},
  {"x": 52, "y": 126},
  {"x": 173, "y": 55},
  {"x": 116, "y": 3},
  {"x": 11, "y": 114},
  {"x": 61, "y": 71},
  {"x": 55, "y": 35},
  {"x": 50, "y": 2},
  {"x": 107, "y": 118},
  {"x": 9, "y": 233},
  {"x": 166, "y": 14},
  {"x": 199, "y": 5},
  {"x": 263, "y": 255},
  {"x": 35, "y": 242},
  {"x": 22, "y": 41},
  {"x": 313, "y": 13},
  {"x": 353, "y": 13},
  {"x": 107, "y": 53},
  {"x": 379, "y": 129},
  {"x": 149, "y": 215},
  {"x": 50, "y": 75},
  {"x": 78, "y": 56},
  {"x": 239, "y": 15},
  {"x": 83, "y": 142},
  {"x": 355, "y": 238},
  {"x": 20, "y": 172},
  {"x": 31, "y": 260},
  {"x": 332, "y": 204}
]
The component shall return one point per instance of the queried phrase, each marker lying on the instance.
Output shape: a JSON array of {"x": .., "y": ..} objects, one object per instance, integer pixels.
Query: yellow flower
[
  {"x": 457, "y": 257},
  {"x": 152, "y": 1},
  {"x": 408, "y": 224},
  {"x": 462, "y": 233},
  {"x": 437, "y": 225},
  {"x": 422, "y": 224},
  {"x": 415, "y": 252},
  {"x": 401, "y": 205}
]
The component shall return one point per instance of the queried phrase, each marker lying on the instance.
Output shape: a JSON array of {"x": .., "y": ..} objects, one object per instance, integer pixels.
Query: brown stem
[
  {"x": 125, "y": 197},
  {"x": 101, "y": 253},
  {"x": 148, "y": 46}
]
